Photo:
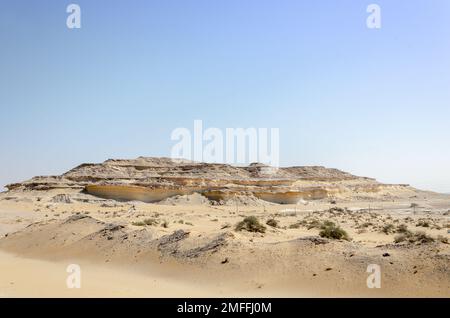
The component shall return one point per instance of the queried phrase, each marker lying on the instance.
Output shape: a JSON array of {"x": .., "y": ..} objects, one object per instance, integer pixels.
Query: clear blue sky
[{"x": 372, "y": 102}]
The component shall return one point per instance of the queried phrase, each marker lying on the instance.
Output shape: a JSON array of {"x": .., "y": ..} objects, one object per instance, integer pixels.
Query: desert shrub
[
  {"x": 421, "y": 237},
  {"x": 388, "y": 228},
  {"x": 364, "y": 225},
  {"x": 400, "y": 238},
  {"x": 251, "y": 224},
  {"x": 145, "y": 222},
  {"x": 327, "y": 223},
  {"x": 298, "y": 224},
  {"x": 314, "y": 224},
  {"x": 332, "y": 231},
  {"x": 337, "y": 209},
  {"x": 423, "y": 223},
  {"x": 402, "y": 228},
  {"x": 417, "y": 237},
  {"x": 151, "y": 221},
  {"x": 272, "y": 223}
]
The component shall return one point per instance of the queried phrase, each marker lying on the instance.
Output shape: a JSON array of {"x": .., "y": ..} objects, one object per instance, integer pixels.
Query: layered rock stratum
[{"x": 151, "y": 179}]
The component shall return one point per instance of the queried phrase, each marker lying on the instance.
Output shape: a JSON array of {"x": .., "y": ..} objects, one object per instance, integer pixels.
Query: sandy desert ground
[
  {"x": 288, "y": 260},
  {"x": 187, "y": 246}
]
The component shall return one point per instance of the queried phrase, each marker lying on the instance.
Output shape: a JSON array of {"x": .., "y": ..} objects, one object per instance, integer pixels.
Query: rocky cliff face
[{"x": 155, "y": 179}]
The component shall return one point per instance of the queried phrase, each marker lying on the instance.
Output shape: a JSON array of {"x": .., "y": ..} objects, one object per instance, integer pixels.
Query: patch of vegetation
[
  {"x": 151, "y": 221},
  {"x": 403, "y": 228},
  {"x": 145, "y": 222},
  {"x": 333, "y": 231},
  {"x": 417, "y": 237},
  {"x": 272, "y": 223},
  {"x": 337, "y": 209},
  {"x": 400, "y": 238},
  {"x": 388, "y": 228},
  {"x": 423, "y": 223},
  {"x": 314, "y": 224},
  {"x": 422, "y": 237},
  {"x": 365, "y": 225},
  {"x": 298, "y": 224},
  {"x": 251, "y": 224}
]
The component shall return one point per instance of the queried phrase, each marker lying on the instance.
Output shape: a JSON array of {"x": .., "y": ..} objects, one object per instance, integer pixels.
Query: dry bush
[
  {"x": 251, "y": 224},
  {"x": 272, "y": 223},
  {"x": 333, "y": 231}
]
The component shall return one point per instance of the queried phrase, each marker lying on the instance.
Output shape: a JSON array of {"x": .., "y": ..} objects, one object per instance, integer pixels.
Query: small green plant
[
  {"x": 272, "y": 223},
  {"x": 251, "y": 224},
  {"x": 332, "y": 231}
]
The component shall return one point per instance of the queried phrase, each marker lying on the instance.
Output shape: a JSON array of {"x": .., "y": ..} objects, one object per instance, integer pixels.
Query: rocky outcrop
[{"x": 156, "y": 179}]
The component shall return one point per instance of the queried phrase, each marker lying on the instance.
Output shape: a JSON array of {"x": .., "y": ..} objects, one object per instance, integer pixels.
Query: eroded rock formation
[{"x": 155, "y": 179}]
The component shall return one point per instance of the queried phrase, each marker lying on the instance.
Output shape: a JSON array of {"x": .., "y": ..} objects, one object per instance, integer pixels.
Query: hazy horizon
[{"x": 372, "y": 102}]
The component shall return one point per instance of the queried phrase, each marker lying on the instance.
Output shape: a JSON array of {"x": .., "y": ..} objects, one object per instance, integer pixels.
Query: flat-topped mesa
[{"x": 153, "y": 179}]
